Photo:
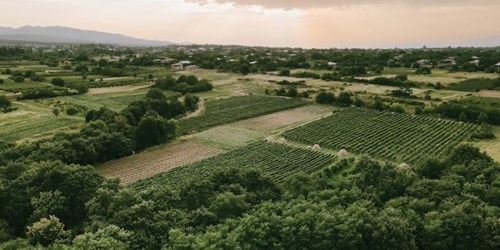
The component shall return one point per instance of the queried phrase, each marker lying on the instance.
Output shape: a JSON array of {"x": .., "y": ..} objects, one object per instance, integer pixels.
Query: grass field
[
  {"x": 21, "y": 125},
  {"x": 277, "y": 161},
  {"x": 491, "y": 147},
  {"x": 391, "y": 136},
  {"x": 233, "y": 109},
  {"x": 156, "y": 160}
]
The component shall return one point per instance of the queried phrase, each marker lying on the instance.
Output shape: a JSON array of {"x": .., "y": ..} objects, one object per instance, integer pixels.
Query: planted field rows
[
  {"x": 149, "y": 163},
  {"x": 392, "y": 136},
  {"x": 234, "y": 109},
  {"x": 278, "y": 161}
]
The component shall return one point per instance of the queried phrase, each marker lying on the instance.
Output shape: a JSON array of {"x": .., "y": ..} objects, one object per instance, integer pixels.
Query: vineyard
[
  {"x": 234, "y": 109},
  {"x": 276, "y": 161},
  {"x": 392, "y": 136}
]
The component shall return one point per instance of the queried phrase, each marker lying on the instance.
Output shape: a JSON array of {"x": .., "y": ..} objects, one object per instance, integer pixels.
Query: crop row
[
  {"x": 393, "y": 136},
  {"x": 277, "y": 161},
  {"x": 236, "y": 108}
]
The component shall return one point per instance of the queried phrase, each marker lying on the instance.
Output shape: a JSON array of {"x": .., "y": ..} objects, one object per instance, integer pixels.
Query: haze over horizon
[{"x": 292, "y": 23}]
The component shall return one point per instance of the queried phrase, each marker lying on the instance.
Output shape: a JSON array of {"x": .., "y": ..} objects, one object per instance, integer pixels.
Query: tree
[
  {"x": 285, "y": 72},
  {"x": 81, "y": 88},
  {"x": 46, "y": 231},
  {"x": 245, "y": 69},
  {"x": 344, "y": 99},
  {"x": 5, "y": 102},
  {"x": 110, "y": 237},
  {"x": 378, "y": 105},
  {"x": 165, "y": 83},
  {"x": 325, "y": 98},
  {"x": 153, "y": 130},
  {"x": 191, "y": 102},
  {"x": 156, "y": 94},
  {"x": 58, "y": 81},
  {"x": 292, "y": 92},
  {"x": 403, "y": 92}
]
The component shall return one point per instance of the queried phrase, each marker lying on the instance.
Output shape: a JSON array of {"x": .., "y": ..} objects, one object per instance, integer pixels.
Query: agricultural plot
[
  {"x": 149, "y": 163},
  {"x": 392, "y": 136},
  {"x": 229, "y": 137},
  {"x": 233, "y": 109},
  {"x": 31, "y": 127},
  {"x": 277, "y": 161},
  {"x": 285, "y": 118}
]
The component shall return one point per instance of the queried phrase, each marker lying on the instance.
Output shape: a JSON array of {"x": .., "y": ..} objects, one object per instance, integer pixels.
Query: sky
[{"x": 287, "y": 23}]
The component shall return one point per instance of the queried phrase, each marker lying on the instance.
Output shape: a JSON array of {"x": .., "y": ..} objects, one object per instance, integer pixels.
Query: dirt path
[
  {"x": 125, "y": 88},
  {"x": 489, "y": 93}
]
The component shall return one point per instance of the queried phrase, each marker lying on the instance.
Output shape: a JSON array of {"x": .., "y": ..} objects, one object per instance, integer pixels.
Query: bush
[
  {"x": 18, "y": 79},
  {"x": 4, "y": 102},
  {"x": 81, "y": 88},
  {"x": 58, "y": 82},
  {"x": 71, "y": 111},
  {"x": 325, "y": 98},
  {"x": 191, "y": 102}
]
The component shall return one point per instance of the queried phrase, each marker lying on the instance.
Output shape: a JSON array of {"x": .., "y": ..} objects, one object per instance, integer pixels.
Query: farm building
[{"x": 180, "y": 65}]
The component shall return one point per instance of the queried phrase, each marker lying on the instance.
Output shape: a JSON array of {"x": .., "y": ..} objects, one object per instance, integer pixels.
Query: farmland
[
  {"x": 155, "y": 161},
  {"x": 391, "y": 136},
  {"x": 277, "y": 161},
  {"x": 233, "y": 109}
]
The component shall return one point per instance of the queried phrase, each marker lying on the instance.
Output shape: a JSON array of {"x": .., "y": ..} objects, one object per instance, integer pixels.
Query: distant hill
[{"x": 57, "y": 34}]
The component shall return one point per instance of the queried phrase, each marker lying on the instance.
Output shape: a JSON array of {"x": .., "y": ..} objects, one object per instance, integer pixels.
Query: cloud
[{"x": 307, "y": 4}]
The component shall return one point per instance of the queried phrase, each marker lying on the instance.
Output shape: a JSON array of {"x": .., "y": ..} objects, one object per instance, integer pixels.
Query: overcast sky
[{"x": 304, "y": 23}]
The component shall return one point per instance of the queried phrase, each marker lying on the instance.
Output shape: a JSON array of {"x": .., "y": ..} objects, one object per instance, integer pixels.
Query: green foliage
[
  {"x": 474, "y": 85},
  {"x": 46, "y": 231},
  {"x": 58, "y": 82},
  {"x": 191, "y": 102},
  {"x": 325, "y": 98},
  {"x": 471, "y": 108},
  {"x": 110, "y": 237},
  {"x": 153, "y": 130},
  {"x": 412, "y": 138},
  {"x": 156, "y": 94},
  {"x": 183, "y": 84},
  {"x": 344, "y": 99},
  {"x": 403, "y": 92},
  {"x": 5, "y": 103}
]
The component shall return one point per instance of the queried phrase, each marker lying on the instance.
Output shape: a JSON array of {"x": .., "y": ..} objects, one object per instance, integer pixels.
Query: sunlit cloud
[
  {"x": 311, "y": 23},
  {"x": 303, "y": 4}
]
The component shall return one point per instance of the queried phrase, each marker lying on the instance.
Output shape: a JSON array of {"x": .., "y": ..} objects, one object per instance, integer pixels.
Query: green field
[
  {"x": 392, "y": 136},
  {"x": 29, "y": 127},
  {"x": 277, "y": 161},
  {"x": 233, "y": 109}
]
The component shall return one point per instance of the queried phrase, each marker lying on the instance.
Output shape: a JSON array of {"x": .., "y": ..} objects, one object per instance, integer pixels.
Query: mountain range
[{"x": 57, "y": 34}]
